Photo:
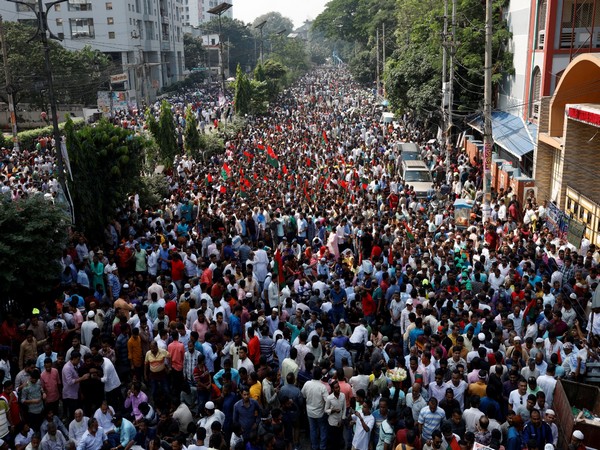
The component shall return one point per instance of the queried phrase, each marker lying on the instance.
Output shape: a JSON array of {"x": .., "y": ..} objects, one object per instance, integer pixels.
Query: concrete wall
[
  {"x": 512, "y": 89},
  {"x": 581, "y": 170},
  {"x": 31, "y": 118}
]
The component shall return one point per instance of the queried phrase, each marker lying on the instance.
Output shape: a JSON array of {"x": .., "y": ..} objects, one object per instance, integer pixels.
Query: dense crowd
[{"x": 295, "y": 291}]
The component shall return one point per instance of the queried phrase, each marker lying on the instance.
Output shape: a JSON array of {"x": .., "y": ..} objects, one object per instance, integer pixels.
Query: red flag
[
  {"x": 278, "y": 269},
  {"x": 246, "y": 183},
  {"x": 266, "y": 178},
  {"x": 248, "y": 155},
  {"x": 325, "y": 137},
  {"x": 209, "y": 178},
  {"x": 308, "y": 162},
  {"x": 271, "y": 153},
  {"x": 260, "y": 147},
  {"x": 343, "y": 184},
  {"x": 390, "y": 256},
  {"x": 222, "y": 189},
  {"x": 285, "y": 170},
  {"x": 255, "y": 176}
]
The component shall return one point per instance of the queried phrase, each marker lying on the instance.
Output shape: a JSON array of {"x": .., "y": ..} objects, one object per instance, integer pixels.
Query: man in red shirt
[
  {"x": 253, "y": 347},
  {"x": 177, "y": 352},
  {"x": 171, "y": 310},
  {"x": 368, "y": 304}
]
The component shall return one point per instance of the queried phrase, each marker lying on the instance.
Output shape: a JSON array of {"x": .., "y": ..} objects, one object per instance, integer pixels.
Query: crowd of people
[{"x": 296, "y": 292}]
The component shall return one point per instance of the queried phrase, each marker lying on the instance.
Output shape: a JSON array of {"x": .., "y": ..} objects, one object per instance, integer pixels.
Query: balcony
[
  {"x": 164, "y": 19},
  {"x": 541, "y": 39},
  {"x": 579, "y": 37},
  {"x": 165, "y": 45}
]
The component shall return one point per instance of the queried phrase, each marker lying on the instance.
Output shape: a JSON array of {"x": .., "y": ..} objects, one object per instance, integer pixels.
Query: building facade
[
  {"x": 567, "y": 156},
  {"x": 195, "y": 12},
  {"x": 144, "y": 37}
]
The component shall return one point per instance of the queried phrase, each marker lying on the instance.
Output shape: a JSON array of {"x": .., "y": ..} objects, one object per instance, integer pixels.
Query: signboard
[
  {"x": 119, "y": 101},
  {"x": 556, "y": 221},
  {"x": 575, "y": 232},
  {"x": 119, "y": 78},
  {"x": 487, "y": 157}
]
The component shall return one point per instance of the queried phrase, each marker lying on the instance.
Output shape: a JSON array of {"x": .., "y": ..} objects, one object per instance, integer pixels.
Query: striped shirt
[{"x": 431, "y": 420}]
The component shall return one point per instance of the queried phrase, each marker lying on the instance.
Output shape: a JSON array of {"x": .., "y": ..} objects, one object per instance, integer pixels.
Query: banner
[
  {"x": 575, "y": 232},
  {"x": 557, "y": 221}
]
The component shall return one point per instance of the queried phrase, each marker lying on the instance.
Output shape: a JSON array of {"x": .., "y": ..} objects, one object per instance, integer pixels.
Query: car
[
  {"x": 417, "y": 175},
  {"x": 410, "y": 152}
]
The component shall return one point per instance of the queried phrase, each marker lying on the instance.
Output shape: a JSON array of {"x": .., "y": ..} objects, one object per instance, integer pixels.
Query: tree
[
  {"x": 275, "y": 23},
  {"x": 243, "y": 92},
  {"x": 164, "y": 133},
  {"x": 191, "y": 134},
  {"x": 194, "y": 51},
  {"x": 106, "y": 162},
  {"x": 91, "y": 69},
  {"x": 34, "y": 233},
  {"x": 238, "y": 37}
]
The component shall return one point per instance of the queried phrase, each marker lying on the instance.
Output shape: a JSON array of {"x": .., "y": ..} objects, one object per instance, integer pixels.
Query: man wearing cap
[
  {"x": 126, "y": 431},
  {"x": 87, "y": 329},
  {"x": 574, "y": 362},
  {"x": 577, "y": 441},
  {"x": 210, "y": 416}
]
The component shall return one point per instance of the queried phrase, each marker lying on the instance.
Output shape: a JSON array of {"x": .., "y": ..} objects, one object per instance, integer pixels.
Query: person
[
  {"x": 335, "y": 408},
  {"x": 33, "y": 396},
  {"x": 364, "y": 422},
  {"x": 315, "y": 393},
  {"x": 94, "y": 438},
  {"x": 537, "y": 430},
  {"x": 577, "y": 441},
  {"x": 436, "y": 441},
  {"x": 246, "y": 412},
  {"x": 126, "y": 431},
  {"x": 430, "y": 418},
  {"x": 53, "y": 439}
]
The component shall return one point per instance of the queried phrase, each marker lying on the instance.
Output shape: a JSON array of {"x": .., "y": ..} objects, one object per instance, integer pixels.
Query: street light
[
  {"x": 42, "y": 33},
  {"x": 218, "y": 11},
  {"x": 260, "y": 26}
]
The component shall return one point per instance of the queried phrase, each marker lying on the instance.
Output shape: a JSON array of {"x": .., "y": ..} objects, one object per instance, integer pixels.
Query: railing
[
  {"x": 541, "y": 39},
  {"x": 579, "y": 37}
]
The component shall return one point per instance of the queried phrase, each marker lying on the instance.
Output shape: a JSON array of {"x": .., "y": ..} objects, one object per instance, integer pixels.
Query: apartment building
[{"x": 195, "y": 12}]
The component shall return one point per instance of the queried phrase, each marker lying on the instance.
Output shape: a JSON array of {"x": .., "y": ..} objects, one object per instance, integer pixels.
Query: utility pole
[
  {"x": 444, "y": 85},
  {"x": 487, "y": 114},
  {"x": 451, "y": 86},
  {"x": 9, "y": 89},
  {"x": 218, "y": 11},
  {"x": 383, "y": 50},
  {"x": 377, "y": 38}
]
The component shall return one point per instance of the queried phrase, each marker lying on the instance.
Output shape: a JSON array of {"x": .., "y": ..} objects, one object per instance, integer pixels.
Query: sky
[{"x": 297, "y": 10}]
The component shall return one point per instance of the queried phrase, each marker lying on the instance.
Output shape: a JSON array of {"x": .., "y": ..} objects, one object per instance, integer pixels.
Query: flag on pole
[
  {"x": 409, "y": 233},
  {"x": 325, "y": 140}
]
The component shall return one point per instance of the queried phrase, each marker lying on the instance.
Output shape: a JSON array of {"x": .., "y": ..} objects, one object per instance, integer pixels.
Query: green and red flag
[
  {"x": 409, "y": 233},
  {"x": 325, "y": 140},
  {"x": 225, "y": 171}
]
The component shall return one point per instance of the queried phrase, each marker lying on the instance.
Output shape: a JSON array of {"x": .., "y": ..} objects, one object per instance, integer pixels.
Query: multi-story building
[
  {"x": 144, "y": 37},
  {"x": 546, "y": 36},
  {"x": 195, "y": 12}
]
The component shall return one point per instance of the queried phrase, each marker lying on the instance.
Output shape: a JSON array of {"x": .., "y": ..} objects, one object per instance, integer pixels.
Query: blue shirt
[
  {"x": 246, "y": 416},
  {"x": 235, "y": 324},
  {"x": 90, "y": 442},
  {"x": 127, "y": 432}
]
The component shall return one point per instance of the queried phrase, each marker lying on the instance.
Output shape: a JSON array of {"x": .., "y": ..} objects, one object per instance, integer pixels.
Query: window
[
  {"x": 25, "y": 8},
  {"x": 57, "y": 7},
  {"x": 111, "y": 34},
  {"x": 109, "y": 6},
  {"x": 79, "y": 5},
  {"x": 82, "y": 28},
  {"x": 536, "y": 93},
  {"x": 59, "y": 22},
  {"x": 61, "y": 35},
  {"x": 110, "y": 21}
]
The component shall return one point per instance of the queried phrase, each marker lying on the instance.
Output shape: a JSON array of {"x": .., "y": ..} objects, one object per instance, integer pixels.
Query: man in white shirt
[
  {"x": 315, "y": 393},
  {"x": 364, "y": 422},
  {"x": 472, "y": 415},
  {"x": 359, "y": 338}
]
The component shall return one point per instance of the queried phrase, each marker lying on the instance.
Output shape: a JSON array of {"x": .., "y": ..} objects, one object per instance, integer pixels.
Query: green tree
[
  {"x": 164, "y": 134},
  {"x": 275, "y": 24},
  {"x": 243, "y": 92},
  {"x": 91, "y": 69},
  {"x": 106, "y": 162},
  {"x": 191, "y": 135},
  {"x": 34, "y": 233},
  {"x": 194, "y": 51}
]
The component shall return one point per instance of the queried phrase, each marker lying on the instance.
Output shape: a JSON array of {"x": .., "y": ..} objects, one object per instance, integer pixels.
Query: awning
[{"x": 510, "y": 132}]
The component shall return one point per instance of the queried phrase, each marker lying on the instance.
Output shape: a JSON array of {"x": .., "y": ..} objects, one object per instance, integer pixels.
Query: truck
[{"x": 569, "y": 394}]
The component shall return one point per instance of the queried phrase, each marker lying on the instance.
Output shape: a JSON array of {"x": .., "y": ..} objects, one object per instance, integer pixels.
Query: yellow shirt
[
  {"x": 256, "y": 392},
  {"x": 157, "y": 363}
]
